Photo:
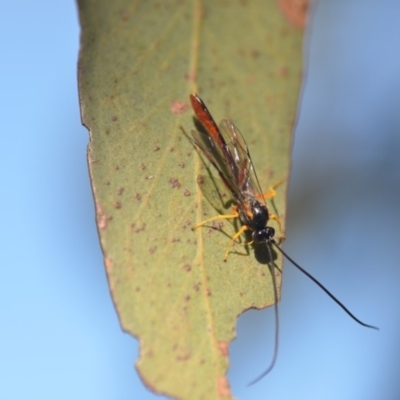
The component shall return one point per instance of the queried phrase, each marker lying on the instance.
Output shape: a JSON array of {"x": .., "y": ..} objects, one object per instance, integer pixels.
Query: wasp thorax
[{"x": 259, "y": 216}]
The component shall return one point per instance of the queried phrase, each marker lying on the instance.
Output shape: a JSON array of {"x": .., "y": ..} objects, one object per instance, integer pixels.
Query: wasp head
[{"x": 263, "y": 235}]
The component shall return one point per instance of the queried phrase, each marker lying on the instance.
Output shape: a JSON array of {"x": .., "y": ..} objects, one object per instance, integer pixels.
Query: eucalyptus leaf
[{"x": 139, "y": 61}]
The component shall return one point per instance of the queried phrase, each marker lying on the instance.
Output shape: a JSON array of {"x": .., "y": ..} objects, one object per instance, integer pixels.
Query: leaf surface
[{"x": 139, "y": 62}]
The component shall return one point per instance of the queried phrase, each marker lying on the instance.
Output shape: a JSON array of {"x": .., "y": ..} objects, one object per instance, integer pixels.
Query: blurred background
[{"x": 60, "y": 337}]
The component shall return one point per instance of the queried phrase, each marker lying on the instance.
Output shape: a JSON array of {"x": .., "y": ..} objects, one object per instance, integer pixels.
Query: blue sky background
[{"x": 60, "y": 337}]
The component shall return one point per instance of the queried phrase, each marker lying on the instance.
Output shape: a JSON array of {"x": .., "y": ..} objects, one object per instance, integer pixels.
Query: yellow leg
[
  {"x": 244, "y": 228},
  {"x": 272, "y": 192},
  {"x": 278, "y": 221},
  {"x": 236, "y": 215},
  {"x": 270, "y": 195}
]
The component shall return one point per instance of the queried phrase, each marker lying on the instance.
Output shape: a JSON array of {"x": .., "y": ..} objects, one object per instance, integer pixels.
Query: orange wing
[{"x": 226, "y": 149}]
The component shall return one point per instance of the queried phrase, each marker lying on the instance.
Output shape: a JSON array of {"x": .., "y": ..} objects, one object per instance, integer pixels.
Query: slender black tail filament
[{"x": 339, "y": 303}]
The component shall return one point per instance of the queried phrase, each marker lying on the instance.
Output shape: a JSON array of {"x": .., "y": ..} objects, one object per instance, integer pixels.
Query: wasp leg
[
  {"x": 278, "y": 221},
  {"x": 272, "y": 192},
  {"x": 270, "y": 195},
  {"x": 235, "y": 215},
  {"x": 244, "y": 228},
  {"x": 245, "y": 243}
]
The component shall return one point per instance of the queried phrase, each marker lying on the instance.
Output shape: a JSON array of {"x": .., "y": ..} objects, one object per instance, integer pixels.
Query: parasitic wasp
[{"x": 226, "y": 149}]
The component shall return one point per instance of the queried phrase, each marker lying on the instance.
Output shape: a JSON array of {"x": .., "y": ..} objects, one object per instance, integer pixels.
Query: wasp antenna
[
  {"x": 323, "y": 288},
  {"x": 276, "y": 311}
]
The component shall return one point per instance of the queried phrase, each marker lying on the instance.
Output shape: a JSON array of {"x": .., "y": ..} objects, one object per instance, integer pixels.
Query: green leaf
[{"x": 139, "y": 62}]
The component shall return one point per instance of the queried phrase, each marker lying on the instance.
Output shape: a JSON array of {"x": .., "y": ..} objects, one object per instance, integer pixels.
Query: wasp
[{"x": 226, "y": 149}]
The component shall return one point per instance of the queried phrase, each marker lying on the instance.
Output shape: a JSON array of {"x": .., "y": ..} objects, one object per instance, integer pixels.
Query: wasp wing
[
  {"x": 246, "y": 180},
  {"x": 214, "y": 146},
  {"x": 219, "y": 157}
]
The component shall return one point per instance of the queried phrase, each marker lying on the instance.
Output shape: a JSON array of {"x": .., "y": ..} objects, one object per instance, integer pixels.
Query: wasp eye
[{"x": 271, "y": 232}]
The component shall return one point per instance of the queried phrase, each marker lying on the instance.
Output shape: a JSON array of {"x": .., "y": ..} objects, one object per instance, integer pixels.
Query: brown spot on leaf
[
  {"x": 117, "y": 205},
  {"x": 250, "y": 79},
  {"x": 124, "y": 15},
  {"x": 142, "y": 166},
  {"x": 175, "y": 183},
  {"x": 217, "y": 225},
  {"x": 210, "y": 231},
  {"x": 114, "y": 118},
  {"x": 224, "y": 348},
  {"x": 156, "y": 148},
  {"x": 295, "y": 11},
  {"x": 138, "y": 196},
  {"x": 186, "y": 192},
  {"x": 191, "y": 77},
  {"x": 152, "y": 249},
  {"x": 108, "y": 264},
  {"x": 183, "y": 357},
  {"x": 196, "y": 286},
  {"x": 179, "y": 107},
  {"x": 187, "y": 267},
  {"x": 120, "y": 191},
  {"x": 138, "y": 229},
  {"x": 182, "y": 164},
  {"x": 223, "y": 387},
  {"x": 102, "y": 218},
  {"x": 283, "y": 72}
]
